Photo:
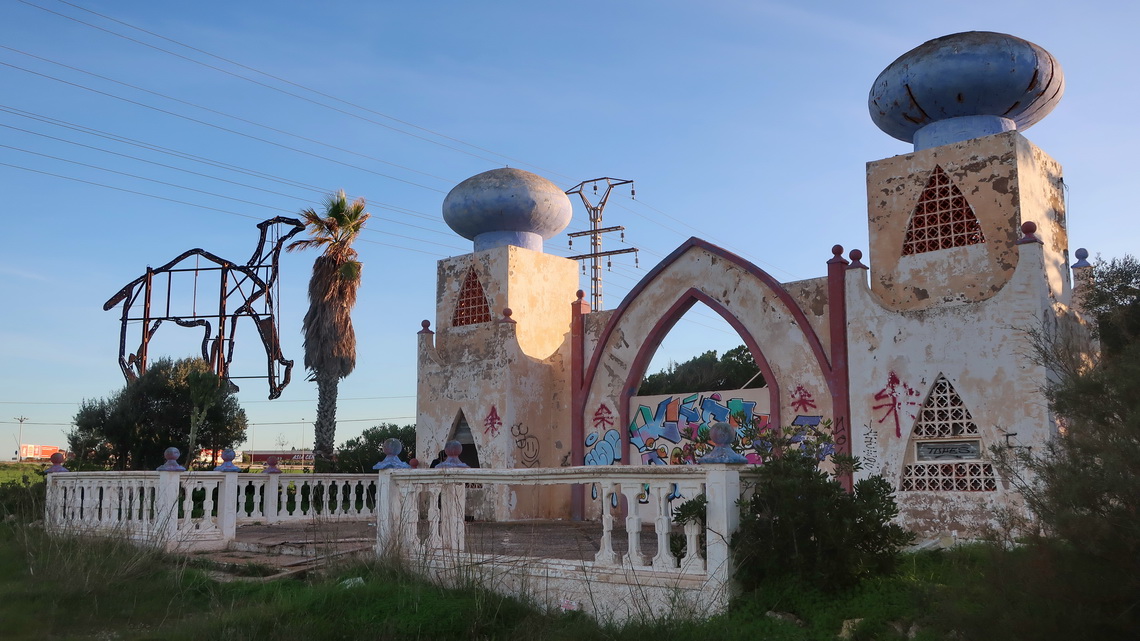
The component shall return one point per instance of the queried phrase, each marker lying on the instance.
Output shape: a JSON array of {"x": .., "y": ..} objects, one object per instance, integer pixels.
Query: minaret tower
[
  {"x": 968, "y": 257},
  {"x": 494, "y": 373}
]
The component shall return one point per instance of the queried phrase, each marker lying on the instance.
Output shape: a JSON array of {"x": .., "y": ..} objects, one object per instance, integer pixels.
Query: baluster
[
  {"x": 663, "y": 524},
  {"x": 434, "y": 540},
  {"x": 605, "y": 555},
  {"x": 633, "y": 554},
  {"x": 209, "y": 519},
  {"x": 187, "y": 520},
  {"x": 409, "y": 518},
  {"x": 693, "y": 560}
]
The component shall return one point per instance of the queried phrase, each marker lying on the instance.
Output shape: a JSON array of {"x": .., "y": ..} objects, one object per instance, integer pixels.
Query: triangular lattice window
[
  {"x": 944, "y": 415},
  {"x": 472, "y": 306},
  {"x": 946, "y": 436},
  {"x": 942, "y": 218}
]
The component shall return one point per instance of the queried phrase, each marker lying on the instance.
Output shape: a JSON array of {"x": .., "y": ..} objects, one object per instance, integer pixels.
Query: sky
[{"x": 131, "y": 131}]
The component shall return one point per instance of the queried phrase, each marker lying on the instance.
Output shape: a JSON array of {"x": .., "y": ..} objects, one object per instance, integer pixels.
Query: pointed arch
[
  {"x": 757, "y": 306},
  {"x": 942, "y": 219},
  {"x": 461, "y": 431},
  {"x": 471, "y": 307}
]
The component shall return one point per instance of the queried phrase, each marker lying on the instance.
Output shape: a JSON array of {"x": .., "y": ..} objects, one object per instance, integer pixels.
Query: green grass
[
  {"x": 63, "y": 588},
  {"x": 17, "y": 471}
]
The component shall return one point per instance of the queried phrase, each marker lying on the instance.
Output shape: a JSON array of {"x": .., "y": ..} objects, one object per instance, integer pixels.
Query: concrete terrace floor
[{"x": 284, "y": 549}]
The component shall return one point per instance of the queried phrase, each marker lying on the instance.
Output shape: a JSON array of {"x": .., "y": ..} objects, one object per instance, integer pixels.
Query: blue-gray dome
[
  {"x": 964, "y": 86},
  {"x": 507, "y": 207}
]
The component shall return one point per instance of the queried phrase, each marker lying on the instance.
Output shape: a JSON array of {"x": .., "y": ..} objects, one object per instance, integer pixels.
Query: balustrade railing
[
  {"x": 423, "y": 514},
  {"x": 199, "y": 509}
]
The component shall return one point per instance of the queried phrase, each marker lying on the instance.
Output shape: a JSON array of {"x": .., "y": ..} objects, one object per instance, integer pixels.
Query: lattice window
[
  {"x": 944, "y": 415},
  {"x": 942, "y": 218},
  {"x": 949, "y": 477},
  {"x": 472, "y": 306}
]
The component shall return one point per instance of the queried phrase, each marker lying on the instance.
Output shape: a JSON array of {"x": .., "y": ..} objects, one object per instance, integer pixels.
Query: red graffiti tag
[
  {"x": 492, "y": 423},
  {"x": 802, "y": 400},
  {"x": 895, "y": 396},
  {"x": 603, "y": 418}
]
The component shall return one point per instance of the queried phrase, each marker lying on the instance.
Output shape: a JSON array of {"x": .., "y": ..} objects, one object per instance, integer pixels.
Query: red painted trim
[
  {"x": 839, "y": 377},
  {"x": 578, "y": 311}
]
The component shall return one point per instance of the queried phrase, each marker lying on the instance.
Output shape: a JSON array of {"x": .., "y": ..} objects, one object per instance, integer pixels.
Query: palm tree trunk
[{"x": 324, "y": 430}]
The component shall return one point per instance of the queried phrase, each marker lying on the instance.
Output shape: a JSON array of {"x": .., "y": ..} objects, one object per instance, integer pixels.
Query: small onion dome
[
  {"x": 963, "y": 86},
  {"x": 507, "y": 207}
]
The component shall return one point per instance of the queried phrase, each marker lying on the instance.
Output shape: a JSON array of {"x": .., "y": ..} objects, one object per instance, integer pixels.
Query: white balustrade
[
  {"x": 199, "y": 509},
  {"x": 423, "y": 511}
]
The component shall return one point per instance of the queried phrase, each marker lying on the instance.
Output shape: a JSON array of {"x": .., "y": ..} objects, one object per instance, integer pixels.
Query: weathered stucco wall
[
  {"x": 508, "y": 377},
  {"x": 1005, "y": 179},
  {"x": 986, "y": 357}
]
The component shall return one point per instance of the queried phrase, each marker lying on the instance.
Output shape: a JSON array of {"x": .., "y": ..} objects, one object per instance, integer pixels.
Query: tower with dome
[{"x": 916, "y": 353}]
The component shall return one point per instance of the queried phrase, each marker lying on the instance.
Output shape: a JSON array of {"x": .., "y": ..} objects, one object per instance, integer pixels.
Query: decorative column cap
[
  {"x": 1082, "y": 254},
  {"x": 721, "y": 435},
  {"x": 856, "y": 255},
  {"x": 171, "y": 465},
  {"x": 228, "y": 462},
  {"x": 452, "y": 449},
  {"x": 56, "y": 464},
  {"x": 392, "y": 448},
  {"x": 271, "y": 466},
  {"x": 1028, "y": 230},
  {"x": 426, "y": 325}
]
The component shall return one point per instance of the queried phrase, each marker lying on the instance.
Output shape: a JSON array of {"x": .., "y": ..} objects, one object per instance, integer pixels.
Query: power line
[
  {"x": 218, "y": 127},
  {"x": 229, "y": 115},
  {"x": 300, "y": 86},
  {"x": 261, "y": 84}
]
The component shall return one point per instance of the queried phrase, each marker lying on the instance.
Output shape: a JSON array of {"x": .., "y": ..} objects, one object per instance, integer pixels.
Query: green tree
[
  {"x": 330, "y": 340},
  {"x": 130, "y": 429},
  {"x": 1083, "y": 487},
  {"x": 359, "y": 454},
  {"x": 705, "y": 372}
]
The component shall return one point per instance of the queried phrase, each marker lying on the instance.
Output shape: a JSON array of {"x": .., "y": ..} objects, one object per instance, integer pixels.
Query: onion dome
[
  {"x": 507, "y": 207},
  {"x": 963, "y": 86}
]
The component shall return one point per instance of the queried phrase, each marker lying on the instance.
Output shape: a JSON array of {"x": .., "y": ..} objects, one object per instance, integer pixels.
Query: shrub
[{"x": 800, "y": 523}]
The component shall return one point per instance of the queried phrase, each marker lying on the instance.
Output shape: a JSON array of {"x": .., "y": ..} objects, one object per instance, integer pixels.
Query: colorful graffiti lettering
[
  {"x": 896, "y": 396},
  {"x": 526, "y": 442},
  {"x": 492, "y": 423},
  {"x": 676, "y": 431},
  {"x": 607, "y": 449},
  {"x": 802, "y": 399}
]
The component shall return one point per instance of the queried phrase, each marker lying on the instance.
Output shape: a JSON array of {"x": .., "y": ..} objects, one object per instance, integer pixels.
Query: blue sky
[{"x": 744, "y": 123}]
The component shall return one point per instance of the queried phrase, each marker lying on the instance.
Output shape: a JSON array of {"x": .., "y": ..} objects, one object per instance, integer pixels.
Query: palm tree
[{"x": 330, "y": 341}]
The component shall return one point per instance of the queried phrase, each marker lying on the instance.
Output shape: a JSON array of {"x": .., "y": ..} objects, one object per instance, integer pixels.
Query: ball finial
[
  {"x": 964, "y": 86},
  {"x": 505, "y": 207}
]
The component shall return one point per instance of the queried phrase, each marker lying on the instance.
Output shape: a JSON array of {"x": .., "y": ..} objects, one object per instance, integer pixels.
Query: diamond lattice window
[
  {"x": 943, "y": 417},
  {"x": 949, "y": 477},
  {"x": 472, "y": 306},
  {"x": 942, "y": 218}
]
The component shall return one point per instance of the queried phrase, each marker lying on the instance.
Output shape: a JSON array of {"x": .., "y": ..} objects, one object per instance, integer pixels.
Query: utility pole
[
  {"x": 596, "y": 230},
  {"x": 20, "y": 444}
]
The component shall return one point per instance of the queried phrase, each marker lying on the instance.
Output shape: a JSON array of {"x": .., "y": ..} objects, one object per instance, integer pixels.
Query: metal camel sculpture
[{"x": 251, "y": 285}]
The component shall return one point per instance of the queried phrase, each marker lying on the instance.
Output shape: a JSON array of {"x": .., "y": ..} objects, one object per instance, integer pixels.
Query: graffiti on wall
[
  {"x": 492, "y": 423},
  {"x": 527, "y": 444},
  {"x": 870, "y": 456},
  {"x": 605, "y": 440},
  {"x": 895, "y": 398},
  {"x": 673, "y": 429},
  {"x": 802, "y": 400}
]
